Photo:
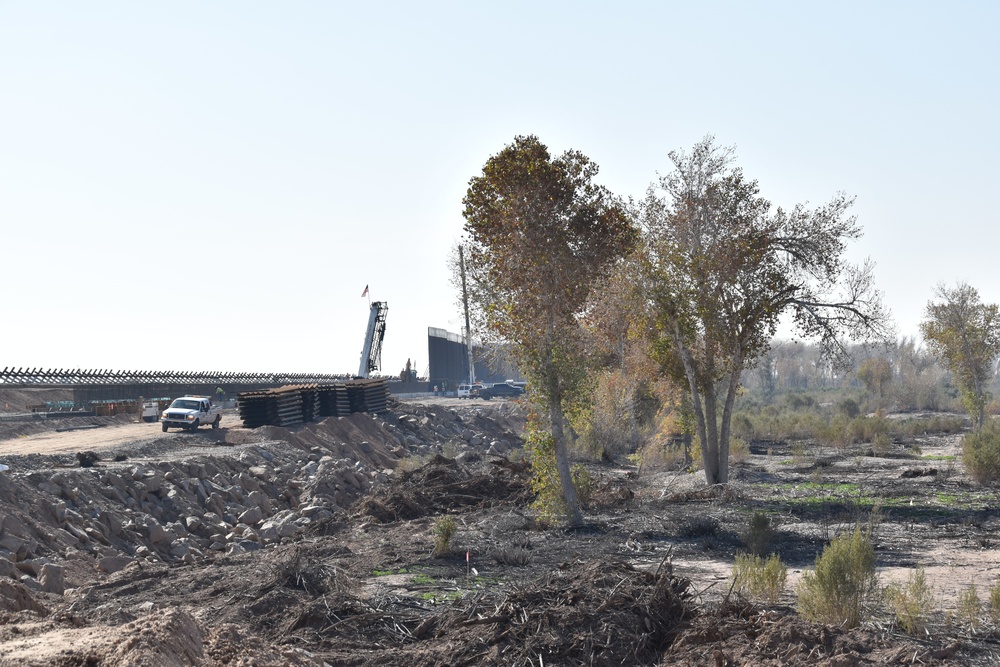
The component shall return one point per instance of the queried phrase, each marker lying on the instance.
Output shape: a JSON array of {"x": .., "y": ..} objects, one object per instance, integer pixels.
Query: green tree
[
  {"x": 722, "y": 268},
  {"x": 965, "y": 333},
  {"x": 539, "y": 234}
]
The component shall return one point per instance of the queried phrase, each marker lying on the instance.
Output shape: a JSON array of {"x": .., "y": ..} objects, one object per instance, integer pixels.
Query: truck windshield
[{"x": 181, "y": 404}]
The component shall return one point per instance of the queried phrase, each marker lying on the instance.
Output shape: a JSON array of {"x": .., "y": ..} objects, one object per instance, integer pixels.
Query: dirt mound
[
  {"x": 442, "y": 485},
  {"x": 14, "y": 597},
  {"x": 168, "y": 638}
]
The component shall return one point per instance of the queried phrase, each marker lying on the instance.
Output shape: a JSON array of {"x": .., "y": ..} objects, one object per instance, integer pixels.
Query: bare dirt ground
[{"x": 165, "y": 558}]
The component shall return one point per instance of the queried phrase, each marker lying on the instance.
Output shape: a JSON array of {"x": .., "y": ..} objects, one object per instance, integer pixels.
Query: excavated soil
[{"x": 318, "y": 545}]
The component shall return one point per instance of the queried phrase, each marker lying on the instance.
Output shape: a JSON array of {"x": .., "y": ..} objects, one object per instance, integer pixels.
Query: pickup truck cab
[{"x": 190, "y": 412}]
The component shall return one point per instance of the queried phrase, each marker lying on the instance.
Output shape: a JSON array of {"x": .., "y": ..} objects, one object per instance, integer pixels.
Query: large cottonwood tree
[
  {"x": 965, "y": 333},
  {"x": 722, "y": 267},
  {"x": 539, "y": 233}
]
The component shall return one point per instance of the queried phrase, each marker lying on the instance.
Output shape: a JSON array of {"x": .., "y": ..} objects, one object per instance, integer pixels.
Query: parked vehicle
[
  {"x": 500, "y": 389},
  {"x": 151, "y": 409},
  {"x": 190, "y": 412},
  {"x": 464, "y": 391}
]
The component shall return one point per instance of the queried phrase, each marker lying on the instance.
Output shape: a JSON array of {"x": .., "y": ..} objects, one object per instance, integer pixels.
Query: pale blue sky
[{"x": 210, "y": 185}]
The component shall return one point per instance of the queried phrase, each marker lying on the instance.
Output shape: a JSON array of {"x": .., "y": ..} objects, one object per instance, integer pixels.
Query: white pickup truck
[{"x": 190, "y": 412}]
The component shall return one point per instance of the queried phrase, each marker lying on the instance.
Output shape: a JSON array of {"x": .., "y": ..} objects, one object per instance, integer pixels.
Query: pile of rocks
[{"x": 261, "y": 491}]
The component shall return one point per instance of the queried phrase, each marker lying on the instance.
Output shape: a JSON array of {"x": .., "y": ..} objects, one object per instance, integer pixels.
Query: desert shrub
[
  {"x": 844, "y": 586},
  {"x": 739, "y": 450},
  {"x": 873, "y": 427},
  {"x": 584, "y": 483},
  {"x": 849, "y": 408},
  {"x": 799, "y": 401},
  {"x": 411, "y": 463},
  {"x": 970, "y": 607},
  {"x": 994, "y": 604},
  {"x": 742, "y": 427},
  {"x": 911, "y": 602},
  {"x": 981, "y": 453},
  {"x": 444, "y": 530},
  {"x": 511, "y": 555},
  {"x": 881, "y": 444},
  {"x": 666, "y": 455},
  {"x": 759, "y": 533},
  {"x": 759, "y": 578},
  {"x": 698, "y": 526}
]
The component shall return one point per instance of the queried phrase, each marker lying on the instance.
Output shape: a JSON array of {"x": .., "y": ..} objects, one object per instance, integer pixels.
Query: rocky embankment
[{"x": 178, "y": 499}]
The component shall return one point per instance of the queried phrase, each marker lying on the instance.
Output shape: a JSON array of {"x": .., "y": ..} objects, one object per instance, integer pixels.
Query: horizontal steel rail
[{"x": 75, "y": 377}]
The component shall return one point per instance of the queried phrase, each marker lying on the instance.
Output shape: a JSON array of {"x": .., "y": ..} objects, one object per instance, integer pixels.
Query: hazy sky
[{"x": 211, "y": 185}]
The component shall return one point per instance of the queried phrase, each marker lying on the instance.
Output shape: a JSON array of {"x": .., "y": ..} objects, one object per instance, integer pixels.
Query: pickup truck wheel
[
  {"x": 196, "y": 424},
  {"x": 215, "y": 424},
  {"x": 164, "y": 426}
]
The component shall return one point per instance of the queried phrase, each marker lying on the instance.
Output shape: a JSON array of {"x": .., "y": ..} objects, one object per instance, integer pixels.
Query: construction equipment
[{"x": 371, "y": 353}]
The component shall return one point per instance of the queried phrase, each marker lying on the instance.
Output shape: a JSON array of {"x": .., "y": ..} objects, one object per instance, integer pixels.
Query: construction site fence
[{"x": 112, "y": 386}]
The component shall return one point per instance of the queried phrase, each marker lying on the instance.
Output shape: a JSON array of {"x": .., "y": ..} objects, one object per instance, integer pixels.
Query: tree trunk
[
  {"x": 556, "y": 419},
  {"x": 710, "y": 465},
  {"x": 724, "y": 429},
  {"x": 557, "y": 424}
]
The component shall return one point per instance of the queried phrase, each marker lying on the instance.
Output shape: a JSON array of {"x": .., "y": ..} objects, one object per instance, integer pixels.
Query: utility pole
[{"x": 468, "y": 329}]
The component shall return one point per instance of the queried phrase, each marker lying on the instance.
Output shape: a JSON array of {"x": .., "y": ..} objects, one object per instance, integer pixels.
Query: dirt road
[{"x": 101, "y": 438}]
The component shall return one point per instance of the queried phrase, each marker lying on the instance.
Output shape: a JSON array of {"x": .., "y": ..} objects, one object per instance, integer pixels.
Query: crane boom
[{"x": 371, "y": 353}]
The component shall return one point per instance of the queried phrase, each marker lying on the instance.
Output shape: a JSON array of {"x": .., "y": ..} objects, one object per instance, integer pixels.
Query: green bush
[
  {"x": 969, "y": 607},
  {"x": 739, "y": 450},
  {"x": 742, "y": 427},
  {"x": 444, "y": 530},
  {"x": 844, "y": 586},
  {"x": 759, "y": 578},
  {"x": 994, "y": 604},
  {"x": 911, "y": 602},
  {"x": 759, "y": 533},
  {"x": 881, "y": 444},
  {"x": 849, "y": 408},
  {"x": 584, "y": 484},
  {"x": 981, "y": 453}
]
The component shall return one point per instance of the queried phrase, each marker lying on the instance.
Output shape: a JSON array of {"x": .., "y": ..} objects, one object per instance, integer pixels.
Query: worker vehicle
[
  {"x": 500, "y": 389},
  {"x": 190, "y": 412},
  {"x": 152, "y": 409}
]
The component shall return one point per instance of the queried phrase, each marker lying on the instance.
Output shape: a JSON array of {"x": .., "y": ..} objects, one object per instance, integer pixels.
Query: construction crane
[{"x": 371, "y": 353}]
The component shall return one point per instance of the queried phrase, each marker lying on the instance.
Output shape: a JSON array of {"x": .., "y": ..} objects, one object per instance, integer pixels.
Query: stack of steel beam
[
  {"x": 368, "y": 395},
  {"x": 295, "y": 404},
  {"x": 333, "y": 400}
]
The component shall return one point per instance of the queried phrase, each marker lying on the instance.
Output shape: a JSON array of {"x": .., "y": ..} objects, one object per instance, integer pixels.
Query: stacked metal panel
[
  {"x": 334, "y": 400},
  {"x": 295, "y": 404},
  {"x": 368, "y": 395}
]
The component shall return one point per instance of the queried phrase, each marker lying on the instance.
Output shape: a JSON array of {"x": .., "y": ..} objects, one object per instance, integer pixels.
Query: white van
[{"x": 464, "y": 391}]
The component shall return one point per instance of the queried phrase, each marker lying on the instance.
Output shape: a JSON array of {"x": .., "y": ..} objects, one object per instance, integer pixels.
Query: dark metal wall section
[{"x": 448, "y": 361}]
